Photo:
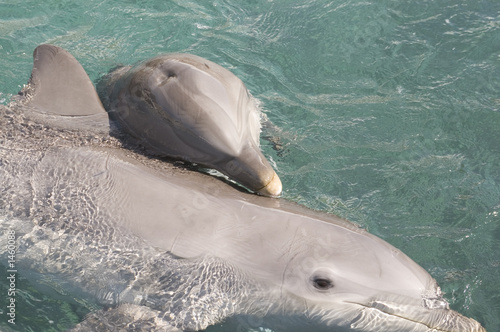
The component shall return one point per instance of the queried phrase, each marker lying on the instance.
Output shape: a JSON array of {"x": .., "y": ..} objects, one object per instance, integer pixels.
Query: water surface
[{"x": 388, "y": 112}]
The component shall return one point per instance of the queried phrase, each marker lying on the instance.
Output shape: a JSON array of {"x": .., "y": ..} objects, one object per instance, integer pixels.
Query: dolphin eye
[{"x": 322, "y": 283}]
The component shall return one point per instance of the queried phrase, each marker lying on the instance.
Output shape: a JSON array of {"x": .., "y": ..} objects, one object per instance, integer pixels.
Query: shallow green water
[{"x": 389, "y": 111}]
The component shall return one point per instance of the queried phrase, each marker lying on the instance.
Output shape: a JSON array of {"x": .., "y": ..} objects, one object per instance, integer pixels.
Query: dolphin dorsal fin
[
  {"x": 60, "y": 93},
  {"x": 60, "y": 86}
]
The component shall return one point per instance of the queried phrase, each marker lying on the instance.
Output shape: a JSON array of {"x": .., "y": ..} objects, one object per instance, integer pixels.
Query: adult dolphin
[
  {"x": 175, "y": 249},
  {"x": 187, "y": 107}
]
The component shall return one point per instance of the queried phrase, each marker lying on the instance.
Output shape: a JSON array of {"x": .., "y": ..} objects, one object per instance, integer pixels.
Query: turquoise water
[{"x": 388, "y": 112}]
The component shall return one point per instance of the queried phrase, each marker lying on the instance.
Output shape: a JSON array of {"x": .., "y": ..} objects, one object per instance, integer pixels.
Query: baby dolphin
[{"x": 186, "y": 107}]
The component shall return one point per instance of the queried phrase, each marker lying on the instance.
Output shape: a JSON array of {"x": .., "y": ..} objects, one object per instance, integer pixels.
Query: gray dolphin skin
[
  {"x": 169, "y": 249},
  {"x": 193, "y": 110}
]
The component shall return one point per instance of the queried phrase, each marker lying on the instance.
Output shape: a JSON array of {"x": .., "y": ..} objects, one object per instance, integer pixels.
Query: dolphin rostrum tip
[{"x": 273, "y": 188}]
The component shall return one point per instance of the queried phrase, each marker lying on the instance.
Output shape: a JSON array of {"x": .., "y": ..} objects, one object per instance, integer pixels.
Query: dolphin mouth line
[
  {"x": 383, "y": 308},
  {"x": 267, "y": 183}
]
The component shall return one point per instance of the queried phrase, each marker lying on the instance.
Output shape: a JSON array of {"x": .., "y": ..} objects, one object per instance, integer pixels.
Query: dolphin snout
[
  {"x": 415, "y": 316},
  {"x": 273, "y": 188},
  {"x": 258, "y": 177},
  {"x": 252, "y": 170}
]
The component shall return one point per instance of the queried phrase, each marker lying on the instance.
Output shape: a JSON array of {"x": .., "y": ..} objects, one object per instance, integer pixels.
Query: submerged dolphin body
[
  {"x": 178, "y": 250},
  {"x": 184, "y": 106}
]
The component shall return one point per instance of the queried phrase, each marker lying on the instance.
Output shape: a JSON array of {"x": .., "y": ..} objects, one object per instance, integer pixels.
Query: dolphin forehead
[{"x": 209, "y": 104}]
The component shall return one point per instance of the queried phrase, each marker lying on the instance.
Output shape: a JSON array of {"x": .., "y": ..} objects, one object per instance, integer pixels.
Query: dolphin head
[
  {"x": 187, "y": 107},
  {"x": 345, "y": 278}
]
